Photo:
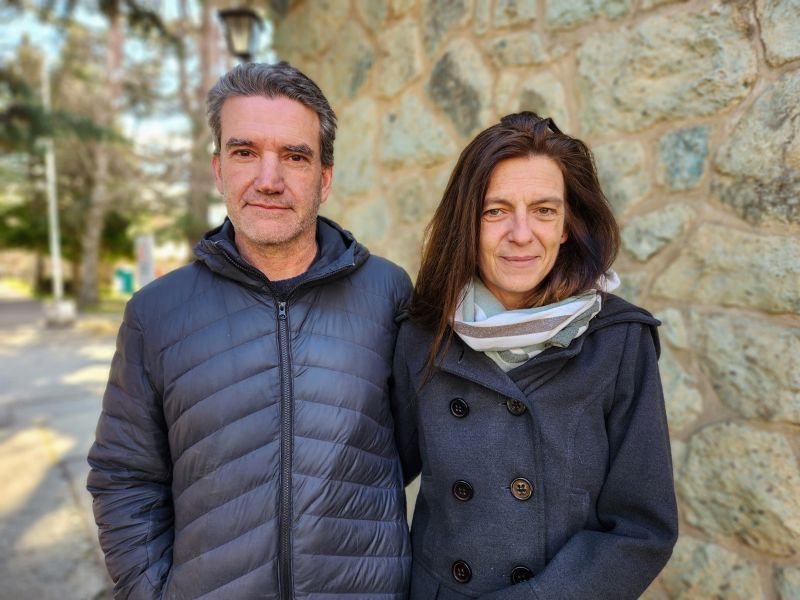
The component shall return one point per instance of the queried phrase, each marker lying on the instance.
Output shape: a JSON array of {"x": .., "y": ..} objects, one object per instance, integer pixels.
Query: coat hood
[{"x": 339, "y": 253}]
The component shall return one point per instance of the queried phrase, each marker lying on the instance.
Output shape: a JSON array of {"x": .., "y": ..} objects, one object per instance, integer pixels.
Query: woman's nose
[{"x": 521, "y": 232}]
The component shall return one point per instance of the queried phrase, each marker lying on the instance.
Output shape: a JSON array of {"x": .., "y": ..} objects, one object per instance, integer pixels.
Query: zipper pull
[{"x": 282, "y": 311}]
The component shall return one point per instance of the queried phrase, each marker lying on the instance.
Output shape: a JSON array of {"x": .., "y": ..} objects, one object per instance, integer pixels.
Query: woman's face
[{"x": 522, "y": 227}]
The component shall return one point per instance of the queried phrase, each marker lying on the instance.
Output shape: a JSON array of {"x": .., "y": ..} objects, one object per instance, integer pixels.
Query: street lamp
[{"x": 242, "y": 26}]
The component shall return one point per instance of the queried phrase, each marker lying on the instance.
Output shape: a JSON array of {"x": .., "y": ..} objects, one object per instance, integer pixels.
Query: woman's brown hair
[{"x": 450, "y": 250}]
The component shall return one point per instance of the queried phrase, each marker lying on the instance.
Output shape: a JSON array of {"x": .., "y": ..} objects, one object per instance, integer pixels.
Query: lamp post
[
  {"x": 59, "y": 312},
  {"x": 242, "y": 26}
]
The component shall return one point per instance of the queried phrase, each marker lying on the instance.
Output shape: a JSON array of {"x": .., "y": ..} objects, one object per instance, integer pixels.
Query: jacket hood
[{"x": 338, "y": 253}]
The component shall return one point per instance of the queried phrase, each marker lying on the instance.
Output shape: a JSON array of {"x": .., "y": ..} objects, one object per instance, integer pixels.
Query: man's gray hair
[{"x": 271, "y": 81}]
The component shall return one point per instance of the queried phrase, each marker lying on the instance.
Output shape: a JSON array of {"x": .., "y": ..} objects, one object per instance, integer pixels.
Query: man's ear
[
  {"x": 217, "y": 168},
  {"x": 327, "y": 180}
]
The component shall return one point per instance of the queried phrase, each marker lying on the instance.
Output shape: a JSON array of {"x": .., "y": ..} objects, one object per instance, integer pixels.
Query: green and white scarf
[{"x": 511, "y": 337}]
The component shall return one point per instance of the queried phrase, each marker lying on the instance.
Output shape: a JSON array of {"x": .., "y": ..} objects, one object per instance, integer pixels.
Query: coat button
[
  {"x": 515, "y": 407},
  {"x": 520, "y": 574},
  {"x": 461, "y": 571},
  {"x": 459, "y": 408},
  {"x": 521, "y": 489},
  {"x": 462, "y": 490}
]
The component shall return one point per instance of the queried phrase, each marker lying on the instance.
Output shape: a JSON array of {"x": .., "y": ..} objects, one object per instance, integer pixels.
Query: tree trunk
[
  {"x": 95, "y": 220},
  {"x": 201, "y": 180}
]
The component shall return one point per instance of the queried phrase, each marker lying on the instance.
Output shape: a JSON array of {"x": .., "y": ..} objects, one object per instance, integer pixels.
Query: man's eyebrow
[
  {"x": 300, "y": 149},
  {"x": 235, "y": 142}
]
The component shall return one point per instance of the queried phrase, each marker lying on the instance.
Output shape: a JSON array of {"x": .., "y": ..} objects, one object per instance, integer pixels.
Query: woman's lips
[{"x": 520, "y": 261}]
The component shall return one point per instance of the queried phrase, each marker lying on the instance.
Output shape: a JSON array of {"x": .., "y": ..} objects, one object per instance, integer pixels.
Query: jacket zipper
[
  {"x": 287, "y": 414},
  {"x": 285, "y": 551}
]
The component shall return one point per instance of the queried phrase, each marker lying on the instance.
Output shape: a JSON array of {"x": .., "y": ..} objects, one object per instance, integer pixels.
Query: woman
[{"x": 526, "y": 395}]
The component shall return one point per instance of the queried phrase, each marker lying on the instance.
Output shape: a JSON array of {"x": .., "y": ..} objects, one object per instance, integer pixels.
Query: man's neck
[{"x": 284, "y": 261}]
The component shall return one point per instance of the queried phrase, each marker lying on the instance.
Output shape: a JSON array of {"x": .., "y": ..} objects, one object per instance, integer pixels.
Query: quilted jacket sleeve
[
  {"x": 130, "y": 474},
  {"x": 637, "y": 503},
  {"x": 403, "y": 402}
]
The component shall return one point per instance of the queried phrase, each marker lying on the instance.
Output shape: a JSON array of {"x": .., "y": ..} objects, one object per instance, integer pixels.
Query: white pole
[{"x": 52, "y": 201}]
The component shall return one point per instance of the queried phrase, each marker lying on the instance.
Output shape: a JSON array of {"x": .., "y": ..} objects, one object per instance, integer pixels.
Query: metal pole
[{"x": 52, "y": 201}]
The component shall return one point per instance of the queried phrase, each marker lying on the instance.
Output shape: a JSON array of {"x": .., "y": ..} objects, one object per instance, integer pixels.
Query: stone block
[
  {"x": 699, "y": 570},
  {"x": 724, "y": 266},
  {"x": 646, "y": 235},
  {"x": 399, "y": 57},
  {"x": 369, "y": 221},
  {"x": 483, "y": 15},
  {"x": 460, "y": 85},
  {"x": 404, "y": 247},
  {"x": 753, "y": 365},
  {"x": 401, "y": 7},
  {"x": 683, "y": 401},
  {"x": 780, "y": 29},
  {"x": 681, "y": 157},
  {"x": 516, "y": 49},
  {"x": 506, "y": 97},
  {"x": 788, "y": 583},
  {"x": 632, "y": 286},
  {"x": 373, "y": 13},
  {"x": 348, "y": 64},
  {"x": 354, "y": 172},
  {"x": 673, "y": 328},
  {"x": 439, "y": 17},
  {"x": 416, "y": 200},
  {"x": 623, "y": 174},
  {"x": 509, "y": 13},
  {"x": 412, "y": 135},
  {"x": 653, "y": 3},
  {"x": 743, "y": 483},
  {"x": 759, "y": 165},
  {"x": 666, "y": 67},
  {"x": 543, "y": 94},
  {"x": 316, "y": 23},
  {"x": 566, "y": 14}
]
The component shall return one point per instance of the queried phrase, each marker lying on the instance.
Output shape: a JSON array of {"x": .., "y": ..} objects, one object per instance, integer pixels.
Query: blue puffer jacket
[{"x": 245, "y": 448}]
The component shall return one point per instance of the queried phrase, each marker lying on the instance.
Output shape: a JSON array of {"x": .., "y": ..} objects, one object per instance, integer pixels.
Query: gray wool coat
[
  {"x": 553, "y": 481},
  {"x": 246, "y": 447}
]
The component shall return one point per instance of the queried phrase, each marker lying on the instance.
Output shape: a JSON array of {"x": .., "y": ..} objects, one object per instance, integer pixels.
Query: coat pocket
[
  {"x": 572, "y": 519},
  {"x": 423, "y": 585}
]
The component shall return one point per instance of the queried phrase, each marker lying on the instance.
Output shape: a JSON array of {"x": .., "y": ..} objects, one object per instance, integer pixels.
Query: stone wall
[{"x": 693, "y": 111}]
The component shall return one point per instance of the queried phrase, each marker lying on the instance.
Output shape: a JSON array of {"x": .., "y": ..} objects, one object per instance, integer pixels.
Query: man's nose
[{"x": 269, "y": 179}]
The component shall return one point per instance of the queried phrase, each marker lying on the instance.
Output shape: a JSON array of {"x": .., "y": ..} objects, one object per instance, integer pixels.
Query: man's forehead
[{"x": 254, "y": 117}]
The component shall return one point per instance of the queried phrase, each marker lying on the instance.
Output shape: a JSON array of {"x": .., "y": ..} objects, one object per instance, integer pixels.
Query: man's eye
[
  {"x": 493, "y": 212},
  {"x": 242, "y": 153},
  {"x": 297, "y": 157},
  {"x": 546, "y": 211}
]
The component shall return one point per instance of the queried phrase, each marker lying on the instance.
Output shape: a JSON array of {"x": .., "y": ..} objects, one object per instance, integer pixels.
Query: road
[{"x": 50, "y": 397}]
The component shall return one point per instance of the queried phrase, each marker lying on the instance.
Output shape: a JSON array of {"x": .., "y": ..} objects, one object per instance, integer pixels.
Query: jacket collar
[
  {"x": 339, "y": 253},
  {"x": 464, "y": 362}
]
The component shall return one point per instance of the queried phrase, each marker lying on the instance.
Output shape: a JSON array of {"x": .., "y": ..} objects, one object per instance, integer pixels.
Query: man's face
[{"x": 269, "y": 170}]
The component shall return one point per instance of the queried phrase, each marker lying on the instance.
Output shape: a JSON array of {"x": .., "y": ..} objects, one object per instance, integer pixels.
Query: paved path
[{"x": 51, "y": 387}]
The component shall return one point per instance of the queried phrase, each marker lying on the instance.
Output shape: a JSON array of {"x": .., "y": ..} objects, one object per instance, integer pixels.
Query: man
[{"x": 245, "y": 448}]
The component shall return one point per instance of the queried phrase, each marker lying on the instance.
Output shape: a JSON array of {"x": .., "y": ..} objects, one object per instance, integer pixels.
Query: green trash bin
[{"x": 123, "y": 280}]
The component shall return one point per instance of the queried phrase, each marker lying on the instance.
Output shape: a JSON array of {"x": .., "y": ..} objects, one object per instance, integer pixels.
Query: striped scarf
[{"x": 511, "y": 337}]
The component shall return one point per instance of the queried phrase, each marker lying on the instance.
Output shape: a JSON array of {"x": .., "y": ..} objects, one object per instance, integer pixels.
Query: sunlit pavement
[{"x": 52, "y": 385}]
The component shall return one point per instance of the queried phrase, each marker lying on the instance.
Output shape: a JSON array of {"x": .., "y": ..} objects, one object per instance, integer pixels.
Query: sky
[{"x": 159, "y": 129}]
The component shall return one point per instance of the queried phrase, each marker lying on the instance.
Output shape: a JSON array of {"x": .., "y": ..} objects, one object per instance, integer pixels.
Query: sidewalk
[{"x": 53, "y": 381}]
